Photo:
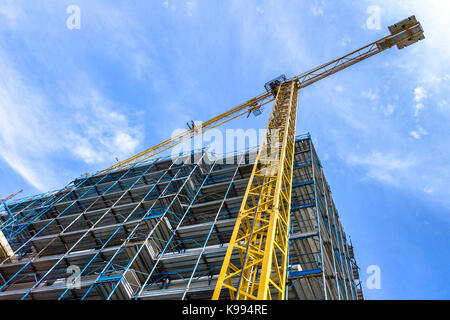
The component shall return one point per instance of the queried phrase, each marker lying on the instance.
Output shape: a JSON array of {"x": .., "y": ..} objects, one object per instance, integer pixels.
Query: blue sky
[{"x": 73, "y": 100}]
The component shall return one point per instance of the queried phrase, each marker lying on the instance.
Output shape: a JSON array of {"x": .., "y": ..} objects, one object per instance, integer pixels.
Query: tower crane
[
  {"x": 3, "y": 201},
  {"x": 11, "y": 196},
  {"x": 261, "y": 232}
]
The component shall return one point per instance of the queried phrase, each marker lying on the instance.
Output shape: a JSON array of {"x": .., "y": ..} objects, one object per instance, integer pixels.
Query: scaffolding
[{"x": 160, "y": 229}]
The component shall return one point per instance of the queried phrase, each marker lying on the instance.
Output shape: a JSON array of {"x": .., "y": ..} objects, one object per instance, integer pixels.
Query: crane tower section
[{"x": 261, "y": 233}]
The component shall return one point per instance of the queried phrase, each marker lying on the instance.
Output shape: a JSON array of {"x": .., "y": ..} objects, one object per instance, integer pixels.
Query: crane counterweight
[{"x": 403, "y": 34}]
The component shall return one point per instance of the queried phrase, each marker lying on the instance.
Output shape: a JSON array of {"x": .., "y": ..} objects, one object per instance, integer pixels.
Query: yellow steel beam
[
  {"x": 261, "y": 232},
  {"x": 6, "y": 252}
]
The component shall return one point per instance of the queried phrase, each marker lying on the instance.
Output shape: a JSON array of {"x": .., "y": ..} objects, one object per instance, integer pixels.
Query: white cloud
[
  {"x": 103, "y": 133},
  {"x": 141, "y": 62},
  {"x": 385, "y": 167},
  {"x": 10, "y": 12},
  {"x": 85, "y": 151},
  {"x": 317, "y": 8},
  {"x": 428, "y": 57},
  {"x": 443, "y": 105},
  {"x": 35, "y": 136},
  {"x": 371, "y": 94},
  {"x": 190, "y": 7},
  {"x": 170, "y": 5},
  {"x": 259, "y": 10},
  {"x": 428, "y": 190},
  {"x": 419, "y": 94},
  {"x": 125, "y": 143},
  {"x": 277, "y": 37},
  {"x": 345, "y": 41},
  {"x": 25, "y": 139},
  {"x": 417, "y": 134},
  {"x": 417, "y": 109},
  {"x": 389, "y": 109}
]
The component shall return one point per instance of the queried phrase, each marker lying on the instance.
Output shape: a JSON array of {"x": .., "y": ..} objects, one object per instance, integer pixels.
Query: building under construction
[
  {"x": 252, "y": 225},
  {"x": 160, "y": 230}
]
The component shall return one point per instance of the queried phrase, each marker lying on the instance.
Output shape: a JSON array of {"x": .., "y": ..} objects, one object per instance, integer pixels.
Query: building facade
[{"x": 160, "y": 229}]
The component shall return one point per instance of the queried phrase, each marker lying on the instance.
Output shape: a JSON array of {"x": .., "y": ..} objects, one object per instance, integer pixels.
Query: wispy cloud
[
  {"x": 24, "y": 127},
  {"x": 272, "y": 35},
  {"x": 33, "y": 135},
  {"x": 392, "y": 118},
  {"x": 317, "y": 7},
  {"x": 386, "y": 167},
  {"x": 102, "y": 133},
  {"x": 419, "y": 94},
  {"x": 388, "y": 109},
  {"x": 417, "y": 134},
  {"x": 371, "y": 94},
  {"x": 43, "y": 128},
  {"x": 9, "y": 13},
  {"x": 190, "y": 7}
]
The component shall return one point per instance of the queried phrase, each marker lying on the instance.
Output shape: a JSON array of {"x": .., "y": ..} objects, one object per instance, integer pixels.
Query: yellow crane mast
[{"x": 261, "y": 233}]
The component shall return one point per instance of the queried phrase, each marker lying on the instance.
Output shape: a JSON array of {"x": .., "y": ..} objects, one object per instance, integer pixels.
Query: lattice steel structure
[{"x": 160, "y": 229}]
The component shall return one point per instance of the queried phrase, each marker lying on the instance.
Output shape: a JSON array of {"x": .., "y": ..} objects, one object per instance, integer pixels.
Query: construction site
[{"x": 253, "y": 224}]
